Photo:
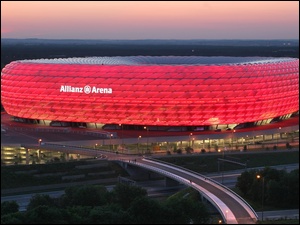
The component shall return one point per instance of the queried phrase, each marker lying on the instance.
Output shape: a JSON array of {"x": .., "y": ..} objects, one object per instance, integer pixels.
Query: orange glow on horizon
[{"x": 162, "y": 19}]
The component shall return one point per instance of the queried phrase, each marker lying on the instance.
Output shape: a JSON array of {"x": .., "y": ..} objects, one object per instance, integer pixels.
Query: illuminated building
[{"x": 152, "y": 90}]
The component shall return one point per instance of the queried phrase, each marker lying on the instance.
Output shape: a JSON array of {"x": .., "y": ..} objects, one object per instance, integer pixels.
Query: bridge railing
[{"x": 207, "y": 178}]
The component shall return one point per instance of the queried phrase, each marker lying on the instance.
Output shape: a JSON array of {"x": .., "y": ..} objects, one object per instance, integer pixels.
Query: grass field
[
  {"x": 54, "y": 173},
  {"x": 208, "y": 163}
]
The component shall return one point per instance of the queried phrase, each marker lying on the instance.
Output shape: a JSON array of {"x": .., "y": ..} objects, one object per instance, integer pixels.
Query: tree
[
  {"x": 144, "y": 210},
  {"x": 39, "y": 200},
  {"x": 292, "y": 181},
  {"x": 272, "y": 174},
  {"x": 245, "y": 181},
  {"x": 275, "y": 193},
  {"x": 8, "y": 207},
  {"x": 109, "y": 214},
  {"x": 78, "y": 214},
  {"x": 189, "y": 150},
  {"x": 179, "y": 151},
  {"x": 44, "y": 214},
  {"x": 87, "y": 195},
  {"x": 13, "y": 218},
  {"x": 176, "y": 210},
  {"x": 185, "y": 208},
  {"x": 198, "y": 213},
  {"x": 125, "y": 194},
  {"x": 280, "y": 188}
]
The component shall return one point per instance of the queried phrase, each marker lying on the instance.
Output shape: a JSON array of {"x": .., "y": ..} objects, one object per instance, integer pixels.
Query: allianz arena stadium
[{"x": 157, "y": 91}]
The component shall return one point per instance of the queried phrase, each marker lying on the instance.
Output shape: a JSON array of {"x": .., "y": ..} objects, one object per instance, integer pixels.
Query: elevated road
[{"x": 233, "y": 208}]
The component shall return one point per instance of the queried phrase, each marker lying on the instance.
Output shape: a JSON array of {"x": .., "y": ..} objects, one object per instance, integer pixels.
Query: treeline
[
  {"x": 11, "y": 53},
  {"x": 281, "y": 189},
  {"x": 95, "y": 205}
]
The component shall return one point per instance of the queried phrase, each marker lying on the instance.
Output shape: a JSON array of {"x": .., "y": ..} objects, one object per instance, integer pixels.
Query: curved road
[{"x": 241, "y": 215}]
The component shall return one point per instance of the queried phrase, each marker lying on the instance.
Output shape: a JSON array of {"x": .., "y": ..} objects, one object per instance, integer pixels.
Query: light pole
[
  {"x": 40, "y": 140},
  {"x": 122, "y": 137},
  {"x": 233, "y": 131},
  {"x": 262, "y": 196},
  {"x": 139, "y": 143},
  {"x": 193, "y": 140},
  {"x": 279, "y": 128},
  {"x": 110, "y": 141},
  {"x": 208, "y": 145},
  {"x": 223, "y": 170},
  {"x": 226, "y": 215},
  {"x": 121, "y": 125},
  {"x": 190, "y": 139},
  {"x": 147, "y": 137}
]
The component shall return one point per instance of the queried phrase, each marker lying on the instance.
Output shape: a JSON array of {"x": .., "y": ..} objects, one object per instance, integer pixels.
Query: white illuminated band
[{"x": 86, "y": 89}]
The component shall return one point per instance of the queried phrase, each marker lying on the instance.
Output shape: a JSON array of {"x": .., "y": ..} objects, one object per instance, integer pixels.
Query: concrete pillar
[
  {"x": 201, "y": 196},
  {"x": 27, "y": 156},
  {"x": 38, "y": 153}
]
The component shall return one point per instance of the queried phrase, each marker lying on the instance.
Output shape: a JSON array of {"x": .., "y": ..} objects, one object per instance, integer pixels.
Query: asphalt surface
[{"x": 21, "y": 133}]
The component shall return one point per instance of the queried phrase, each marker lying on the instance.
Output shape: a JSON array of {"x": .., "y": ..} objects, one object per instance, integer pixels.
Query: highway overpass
[{"x": 232, "y": 207}]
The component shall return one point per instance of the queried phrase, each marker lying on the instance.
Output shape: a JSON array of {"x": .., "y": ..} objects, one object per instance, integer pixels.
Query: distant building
[{"x": 169, "y": 91}]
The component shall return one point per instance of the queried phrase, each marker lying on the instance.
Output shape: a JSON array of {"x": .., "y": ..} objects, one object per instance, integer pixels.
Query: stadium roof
[{"x": 161, "y": 60}]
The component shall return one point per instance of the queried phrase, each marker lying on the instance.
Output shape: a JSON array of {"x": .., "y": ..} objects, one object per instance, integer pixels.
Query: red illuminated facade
[{"x": 162, "y": 91}]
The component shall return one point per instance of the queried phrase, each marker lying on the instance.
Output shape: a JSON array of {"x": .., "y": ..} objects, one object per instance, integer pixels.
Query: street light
[
  {"x": 147, "y": 136},
  {"x": 262, "y": 196},
  {"x": 208, "y": 145},
  {"x": 277, "y": 136},
  {"x": 122, "y": 145},
  {"x": 190, "y": 139},
  {"x": 139, "y": 143},
  {"x": 233, "y": 131},
  {"x": 110, "y": 141},
  {"x": 226, "y": 215},
  {"x": 121, "y": 125},
  {"x": 193, "y": 140},
  {"x": 40, "y": 140}
]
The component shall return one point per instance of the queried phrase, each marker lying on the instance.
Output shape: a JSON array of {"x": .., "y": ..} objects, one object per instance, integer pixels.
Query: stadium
[
  {"x": 157, "y": 103},
  {"x": 163, "y": 91}
]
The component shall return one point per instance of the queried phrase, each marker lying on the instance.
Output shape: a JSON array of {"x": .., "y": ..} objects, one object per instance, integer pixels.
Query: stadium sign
[{"x": 86, "y": 89}]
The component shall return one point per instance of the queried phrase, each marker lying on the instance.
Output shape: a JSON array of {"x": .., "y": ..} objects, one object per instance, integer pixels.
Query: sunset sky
[{"x": 150, "y": 20}]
